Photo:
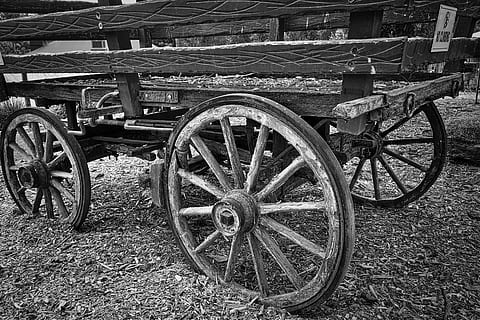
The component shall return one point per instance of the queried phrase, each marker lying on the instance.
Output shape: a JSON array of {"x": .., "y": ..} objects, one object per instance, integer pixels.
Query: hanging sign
[{"x": 444, "y": 29}]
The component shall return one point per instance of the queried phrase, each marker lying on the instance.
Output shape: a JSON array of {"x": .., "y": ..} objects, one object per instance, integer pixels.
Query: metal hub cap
[
  {"x": 33, "y": 175},
  {"x": 236, "y": 213}
]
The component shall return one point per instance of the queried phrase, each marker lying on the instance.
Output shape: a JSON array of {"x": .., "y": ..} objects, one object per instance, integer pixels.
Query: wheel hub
[
  {"x": 374, "y": 145},
  {"x": 236, "y": 213},
  {"x": 33, "y": 175}
]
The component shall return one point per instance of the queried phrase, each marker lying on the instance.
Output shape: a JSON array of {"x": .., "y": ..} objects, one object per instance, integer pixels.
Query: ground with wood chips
[{"x": 420, "y": 262}]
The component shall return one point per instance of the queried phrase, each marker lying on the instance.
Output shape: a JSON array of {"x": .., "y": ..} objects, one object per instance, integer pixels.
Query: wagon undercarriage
[{"x": 234, "y": 165}]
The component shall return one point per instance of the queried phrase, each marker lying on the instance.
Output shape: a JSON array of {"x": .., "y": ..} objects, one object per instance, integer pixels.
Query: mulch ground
[{"x": 419, "y": 262}]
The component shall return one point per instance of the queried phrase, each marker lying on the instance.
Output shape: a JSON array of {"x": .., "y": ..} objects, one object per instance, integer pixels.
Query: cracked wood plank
[
  {"x": 183, "y": 12},
  {"x": 307, "y": 103},
  {"x": 42, "y": 6},
  {"x": 268, "y": 58},
  {"x": 393, "y": 101}
]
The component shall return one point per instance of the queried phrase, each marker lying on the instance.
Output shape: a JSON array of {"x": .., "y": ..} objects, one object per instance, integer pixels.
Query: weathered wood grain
[
  {"x": 332, "y": 20},
  {"x": 184, "y": 12},
  {"x": 417, "y": 52},
  {"x": 393, "y": 100},
  {"x": 308, "y": 103},
  {"x": 268, "y": 58},
  {"x": 42, "y": 6}
]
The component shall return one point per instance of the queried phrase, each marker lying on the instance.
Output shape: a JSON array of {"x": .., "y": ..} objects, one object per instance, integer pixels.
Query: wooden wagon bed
[{"x": 248, "y": 171}]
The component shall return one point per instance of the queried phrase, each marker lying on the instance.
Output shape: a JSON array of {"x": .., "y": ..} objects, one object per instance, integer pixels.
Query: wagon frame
[{"x": 247, "y": 152}]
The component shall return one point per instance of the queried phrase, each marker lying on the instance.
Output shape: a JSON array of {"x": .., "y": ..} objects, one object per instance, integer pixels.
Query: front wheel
[
  {"x": 227, "y": 219},
  {"x": 44, "y": 167}
]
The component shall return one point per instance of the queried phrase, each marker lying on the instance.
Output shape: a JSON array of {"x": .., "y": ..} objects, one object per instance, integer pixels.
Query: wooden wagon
[{"x": 257, "y": 181}]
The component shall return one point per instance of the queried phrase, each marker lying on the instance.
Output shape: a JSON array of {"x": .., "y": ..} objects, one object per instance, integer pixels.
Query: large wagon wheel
[
  {"x": 291, "y": 253},
  {"x": 44, "y": 168},
  {"x": 399, "y": 159}
]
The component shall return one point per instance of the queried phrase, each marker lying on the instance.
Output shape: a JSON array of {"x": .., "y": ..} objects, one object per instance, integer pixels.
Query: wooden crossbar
[
  {"x": 368, "y": 56},
  {"x": 184, "y": 12},
  {"x": 268, "y": 58}
]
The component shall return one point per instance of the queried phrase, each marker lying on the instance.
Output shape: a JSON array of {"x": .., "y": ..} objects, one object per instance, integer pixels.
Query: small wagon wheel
[
  {"x": 291, "y": 253},
  {"x": 45, "y": 168},
  {"x": 399, "y": 159}
]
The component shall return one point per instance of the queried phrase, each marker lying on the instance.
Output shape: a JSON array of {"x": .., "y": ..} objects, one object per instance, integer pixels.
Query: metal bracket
[
  {"x": 151, "y": 96},
  {"x": 353, "y": 126},
  {"x": 409, "y": 104},
  {"x": 455, "y": 88}
]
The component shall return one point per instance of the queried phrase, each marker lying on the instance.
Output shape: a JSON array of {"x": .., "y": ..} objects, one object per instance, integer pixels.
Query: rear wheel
[
  {"x": 291, "y": 253},
  {"x": 398, "y": 160}
]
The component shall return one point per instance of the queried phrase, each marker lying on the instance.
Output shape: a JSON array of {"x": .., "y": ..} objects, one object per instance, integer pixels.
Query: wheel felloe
[{"x": 292, "y": 252}]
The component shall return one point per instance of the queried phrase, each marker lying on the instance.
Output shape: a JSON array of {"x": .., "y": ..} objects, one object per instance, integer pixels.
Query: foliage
[{"x": 8, "y": 107}]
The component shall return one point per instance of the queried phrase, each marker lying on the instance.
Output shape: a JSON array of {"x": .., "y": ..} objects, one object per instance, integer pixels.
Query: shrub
[{"x": 8, "y": 107}]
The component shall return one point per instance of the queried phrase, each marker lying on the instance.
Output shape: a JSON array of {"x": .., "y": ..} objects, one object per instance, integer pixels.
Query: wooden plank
[
  {"x": 393, "y": 101},
  {"x": 42, "y": 6},
  {"x": 308, "y": 103},
  {"x": 417, "y": 52},
  {"x": 333, "y": 20},
  {"x": 269, "y": 58},
  {"x": 184, "y": 12}
]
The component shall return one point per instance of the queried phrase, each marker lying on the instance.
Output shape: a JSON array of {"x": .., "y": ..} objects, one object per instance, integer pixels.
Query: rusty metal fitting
[{"x": 409, "y": 104}]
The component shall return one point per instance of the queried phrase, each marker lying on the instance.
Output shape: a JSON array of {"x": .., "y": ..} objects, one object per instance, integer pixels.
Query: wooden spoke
[
  {"x": 376, "y": 187},
  {"x": 26, "y": 138},
  {"x": 405, "y": 160},
  {"x": 250, "y": 135},
  {"x": 291, "y": 207},
  {"x": 274, "y": 250},
  {"x": 67, "y": 194},
  {"x": 37, "y": 202},
  {"x": 258, "y": 263},
  {"x": 403, "y": 142},
  {"x": 57, "y": 160},
  {"x": 200, "y": 182},
  {"x": 293, "y": 236},
  {"x": 48, "y": 202},
  {"x": 392, "y": 174},
  {"x": 37, "y": 136},
  {"x": 281, "y": 178},
  {"x": 21, "y": 190},
  {"x": 233, "y": 155},
  {"x": 207, "y": 155},
  {"x": 358, "y": 170},
  {"x": 15, "y": 147},
  {"x": 196, "y": 211},
  {"x": 48, "y": 147},
  {"x": 399, "y": 123},
  {"x": 62, "y": 209},
  {"x": 233, "y": 256},
  {"x": 257, "y": 158},
  {"x": 208, "y": 241},
  {"x": 282, "y": 154},
  {"x": 61, "y": 174}
]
